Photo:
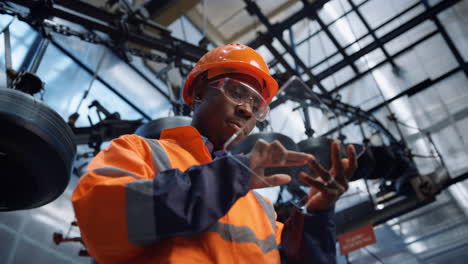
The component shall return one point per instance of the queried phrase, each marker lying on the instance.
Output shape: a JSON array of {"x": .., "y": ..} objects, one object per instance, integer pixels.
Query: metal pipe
[
  {"x": 32, "y": 50},
  {"x": 308, "y": 128},
  {"x": 8, "y": 64},
  {"x": 40, "y": 54}
]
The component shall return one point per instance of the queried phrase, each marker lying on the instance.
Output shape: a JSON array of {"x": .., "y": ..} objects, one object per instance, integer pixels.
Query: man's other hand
[{"x": 328, "y": 186}]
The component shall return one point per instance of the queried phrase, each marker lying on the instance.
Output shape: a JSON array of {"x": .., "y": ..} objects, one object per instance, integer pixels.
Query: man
[{"x": 184, "y": 199}]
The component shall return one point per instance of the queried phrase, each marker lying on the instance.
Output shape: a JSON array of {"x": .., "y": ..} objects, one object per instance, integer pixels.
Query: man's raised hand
[{"x": 264, "y": 155}]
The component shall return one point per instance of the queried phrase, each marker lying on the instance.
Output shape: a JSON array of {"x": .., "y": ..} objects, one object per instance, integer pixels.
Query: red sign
[{"x": 356, "y": 239}]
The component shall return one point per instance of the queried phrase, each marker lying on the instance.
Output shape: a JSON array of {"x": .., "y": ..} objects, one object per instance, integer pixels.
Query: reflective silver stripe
[
  {"x": 268, "y": 208},
  {"x": 137, "y": 193},
  {"x": 243, "y": 234},
  {"x": 115, "y": 172},
  {"x": 160, "y": 158},
  {"x": 141, "y": 224},
  {"x": 141, "y": 221}
]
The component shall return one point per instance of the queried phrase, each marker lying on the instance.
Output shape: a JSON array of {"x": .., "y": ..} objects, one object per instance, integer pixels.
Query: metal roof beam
[
  {"x": 430, "y": 13},
  {"x": 253, "y": 9},
  {"x": 291, "y": 20},
  {"x": 111, "y": 24},
  {"x": 392, "y": 57},
  {"x": 335, "y": 42},
  {"x": 372, "y": 33},
  {"x": 448, "y": 40}
]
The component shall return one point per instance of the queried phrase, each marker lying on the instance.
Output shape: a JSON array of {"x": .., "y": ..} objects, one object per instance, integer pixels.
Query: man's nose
[{"x": 245, "y": 109}]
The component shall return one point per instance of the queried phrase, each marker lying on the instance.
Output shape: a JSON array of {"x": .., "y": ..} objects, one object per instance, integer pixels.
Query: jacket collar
[{"x": 189, "y": 139}]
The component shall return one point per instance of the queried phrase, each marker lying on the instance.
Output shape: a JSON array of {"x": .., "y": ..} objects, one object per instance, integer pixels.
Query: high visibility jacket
[
  {"x": 114, "y": 205},
  {"x": 166, "y": 201}
]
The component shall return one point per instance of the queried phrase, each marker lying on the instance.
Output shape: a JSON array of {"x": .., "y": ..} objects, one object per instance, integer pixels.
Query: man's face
[{"x": 218, "y": 118}]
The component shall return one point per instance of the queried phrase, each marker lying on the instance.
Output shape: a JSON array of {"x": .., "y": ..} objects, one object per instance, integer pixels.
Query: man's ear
[
  {"x": 197, "y": 99},
  {"x": 200, "y": 89}
]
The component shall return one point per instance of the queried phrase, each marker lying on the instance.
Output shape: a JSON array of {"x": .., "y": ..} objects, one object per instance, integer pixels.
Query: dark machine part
[
  {"x": 102, "y": 110},
  {"x": 395, "y": 169},
  {"x": 109, "y": 127},
  {"x": 59, "y": 238},
  {"x": 320, "y": 148},
  {"x": 95, "y": 135},
  {"x": 283, "y": 211},
  {"x": 246, "y": 145},
  {"x": 354, "y": 217},
  {"x": 25, "y": 81},
  {"x": 366, "y": 165},
  {"x": 154, "y": 128},
  {"x": 107, "y": 130},
  {"x": 385, "y": 162},
  {"x": 37, "y": 151},
  {"x": 296, "y": 90},
  {"x": 122, "y": 28}
]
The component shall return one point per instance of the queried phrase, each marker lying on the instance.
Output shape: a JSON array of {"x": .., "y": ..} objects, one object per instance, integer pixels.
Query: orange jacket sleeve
[{"x": 99, "y": 200}]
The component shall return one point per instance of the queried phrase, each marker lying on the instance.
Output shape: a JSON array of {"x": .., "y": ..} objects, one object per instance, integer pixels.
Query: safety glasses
[{"x": 241, "y": 93}]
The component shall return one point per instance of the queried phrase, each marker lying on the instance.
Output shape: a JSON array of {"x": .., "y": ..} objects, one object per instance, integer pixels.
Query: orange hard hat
[{"x": 232, "y": 58}]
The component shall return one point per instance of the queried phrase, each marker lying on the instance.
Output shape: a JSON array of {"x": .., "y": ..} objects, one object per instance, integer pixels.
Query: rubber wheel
[
  {"x": 153, "y": 128},
  {"x": 37, "y": 151}
]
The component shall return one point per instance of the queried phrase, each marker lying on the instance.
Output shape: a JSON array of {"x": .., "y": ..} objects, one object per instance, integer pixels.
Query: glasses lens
[{"x": 241, "y": 93}]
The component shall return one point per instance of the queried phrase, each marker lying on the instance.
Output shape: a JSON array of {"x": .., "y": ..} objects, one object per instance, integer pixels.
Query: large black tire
[
  {"x": 153, "y": 128},
  {"x": 37, "y": 151}
]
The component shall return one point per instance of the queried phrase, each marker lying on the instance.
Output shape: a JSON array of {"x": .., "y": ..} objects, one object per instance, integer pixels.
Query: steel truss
[
  {"x": 310, "y": 10},
  {"x": 122, "y": 28}
]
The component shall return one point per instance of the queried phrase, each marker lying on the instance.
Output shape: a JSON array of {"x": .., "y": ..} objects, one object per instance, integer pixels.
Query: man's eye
[
  {"x": 255, "y": 105},
  {"x": 237, "y": 92}
]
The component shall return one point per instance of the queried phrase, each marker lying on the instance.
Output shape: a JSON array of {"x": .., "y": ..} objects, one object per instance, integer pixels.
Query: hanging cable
[
  {"x": 409, "y": 126},
  {"x": 93, "y": 78},
  {"x": 73, "y": 117},
  {"x": 424, "y": 156},
  {"x": 365, "y": 143}
]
